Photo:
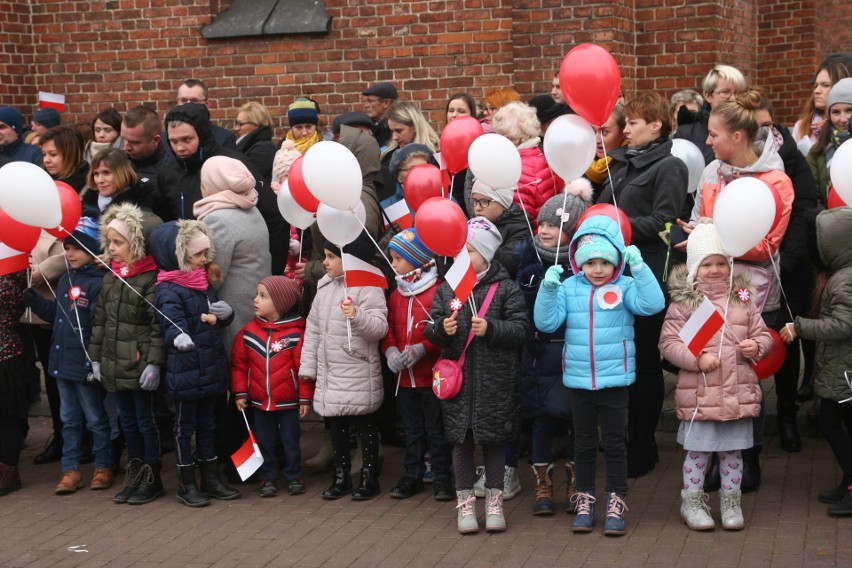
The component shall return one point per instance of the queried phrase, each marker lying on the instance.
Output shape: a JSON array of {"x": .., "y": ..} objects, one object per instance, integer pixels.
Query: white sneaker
[
  {"x": 511, "y": 483},
  {"x": 494, "y": 519},
  {"x": 695, "y": 511},
  {"x": 732, "y": 512},
  {"x": 466, "y": 512},
  {"x": 479, "y": 486}
]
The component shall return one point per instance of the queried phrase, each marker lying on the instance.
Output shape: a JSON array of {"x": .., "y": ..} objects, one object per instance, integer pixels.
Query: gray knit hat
[
  {"x": 841, "y": 92},
  {"x": 484, "y": 237},
  {"x": 575, "y": 203}
]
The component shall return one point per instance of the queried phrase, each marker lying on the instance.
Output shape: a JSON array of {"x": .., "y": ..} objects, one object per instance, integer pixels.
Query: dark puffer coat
[
  {"x": 203, "y": 371},
  {"x": 259, "y": 149},
  {"x": 513, "y": 227},
  {"x": 488, "y": 403}
]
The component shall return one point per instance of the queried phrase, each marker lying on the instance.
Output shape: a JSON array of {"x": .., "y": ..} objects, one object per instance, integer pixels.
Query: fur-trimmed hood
[
  {"x": 691, "y": 295},
  {"x": 170, "y": 243},
  {"x": 140, "y": 223}
]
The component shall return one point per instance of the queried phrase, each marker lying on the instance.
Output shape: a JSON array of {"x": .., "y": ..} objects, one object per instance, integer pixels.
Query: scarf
[
  {"x": 548, "y": 254},
  {"x": 194, "y": 279},
  {"x": 302, "y": 144},
  {"x": 481, "y": 275},
  {"x": 817, "y": 122},
  {"x": 639, "y": 150},
  {"x": 838, "y": 137},
  {"x": 417, "y": 280},
  {"x": 597, "y": 172},
  {"x": 223, "y": 200},
  {"x": 144, "y": 264}
]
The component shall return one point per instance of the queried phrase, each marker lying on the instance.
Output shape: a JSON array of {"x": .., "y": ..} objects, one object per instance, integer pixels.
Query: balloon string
[
  {"x": 28, "y": 313},
  {"x": 561, "y": 223},
  {"x": 345, "y": 296},
  {"x": 612, "y": 185},
  {"x": 778, "y": 277},
  {"x": 79, "y": 335},
  {"x": 529, "y": 225}
]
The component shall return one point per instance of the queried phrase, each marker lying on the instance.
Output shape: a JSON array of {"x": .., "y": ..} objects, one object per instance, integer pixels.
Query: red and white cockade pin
[
  {"x": 277, "y": 346},
  {"x": 456, "y": 304},
  {"x": 744, "y": 295},
  {"x": 74, "y": 292}
]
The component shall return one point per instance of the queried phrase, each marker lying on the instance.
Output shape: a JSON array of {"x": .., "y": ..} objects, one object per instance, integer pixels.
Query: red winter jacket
[
  {"x": 420, "y": 375},
  {"x": 538, "y": 182},
  {"x": 265, "y": 365}
]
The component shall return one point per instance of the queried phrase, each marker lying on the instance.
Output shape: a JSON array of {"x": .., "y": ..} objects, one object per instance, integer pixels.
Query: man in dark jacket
[
  {"x": 140, "y": 130},
  {"x": 377, "y": 100},
  {"x": 12, "y": 147}
]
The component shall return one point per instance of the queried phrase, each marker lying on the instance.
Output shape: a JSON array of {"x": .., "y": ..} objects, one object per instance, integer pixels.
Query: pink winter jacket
[
  {"x": 538, "y": 182},
  {"x": 732, "y": 391}
]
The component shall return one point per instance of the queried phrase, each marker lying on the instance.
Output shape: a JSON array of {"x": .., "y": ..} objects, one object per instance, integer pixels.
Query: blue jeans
[
  {"x": 136, "y": 414},
  {"x": 79, "y": 400},
  {"x": 422, "y": 421},
  {"x": 195, "y": 417},
  {"x": 283, "y": 425}
]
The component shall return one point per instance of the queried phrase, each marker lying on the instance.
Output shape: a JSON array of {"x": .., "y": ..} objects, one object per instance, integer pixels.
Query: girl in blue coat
[
  {"x": 197, "y": 368},
  {"x": 597, "y": 306}
]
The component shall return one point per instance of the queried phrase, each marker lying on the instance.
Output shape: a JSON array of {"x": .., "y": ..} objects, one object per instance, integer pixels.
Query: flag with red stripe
[
  {"x": 248, "y": 458},
  {"x": 360, "y": 273},
  {"x": 12, "y": 260},
  {"x": 461, "y": 277},
  {"x": 400, "y": 214},
  {"x": 701, "y": 327},
  {"x": 51, "y": 100}
]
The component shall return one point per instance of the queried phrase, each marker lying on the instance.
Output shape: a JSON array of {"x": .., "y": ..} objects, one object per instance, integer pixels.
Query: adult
[
  {"x": 459, "y": 104},
  {"x": 721, "y": 85},
  {"x": 377, "y": 100},
  {"x": 44, "y": 119},
  {"x": 832, "y": 69},
  {"x": 106, "y": 133},
  {"x": 649, "y": 185},
  {"x": 688, "y": 100},
  {"x": 195, "y": 91},
  {"x": 303, "y": 115},
  {"x": 254, "y": 128},
  {"x": 556, "y": 90},
  {"x": 12, "y": 146},
  {"x": 112, "y": 181},
  {"x": 357, "y": 120},
  {"x": 14, "y": 403},
  {"x": 140, "y": 135},
  {"x": 538, "y": 183},
  {"x": 608, "y": 137},
  {"x": 496, "y": 99},
  {"x": 407, "y": 125},
  {"x": 547, "y": 110},
  {"x": 63, "y": 149}
]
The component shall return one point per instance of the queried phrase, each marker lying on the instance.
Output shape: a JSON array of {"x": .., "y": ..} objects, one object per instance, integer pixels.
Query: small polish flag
[
  {"x": 400, "y": 214},
  {"x": 701, "y": 326},
  {"x": 51, "y": 100},
  {"x": 461, "y": 276},
  {"x": 248, "y": 458},
  {"x": 360, "y": 273},
  {"x": 12, "y": 260}
]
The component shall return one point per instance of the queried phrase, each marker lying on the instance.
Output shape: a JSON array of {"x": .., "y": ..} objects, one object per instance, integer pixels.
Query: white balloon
[
  {"x": 692, "y": 157},
  {"x": 333, "y": 175},
  {"x": 495, "y": 160},
  {"x": 29, "y": 195},
  {"x": 569, "y": 146},
  {"x": 841, "y": 172},
  {"x": 292, "y": 211},
  {"x": 339, "y": 226},
  {"x": 743, "y": 214}
]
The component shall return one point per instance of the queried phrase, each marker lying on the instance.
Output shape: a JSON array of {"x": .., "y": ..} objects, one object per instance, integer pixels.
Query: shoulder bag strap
[{"x": 484, "y": 308}]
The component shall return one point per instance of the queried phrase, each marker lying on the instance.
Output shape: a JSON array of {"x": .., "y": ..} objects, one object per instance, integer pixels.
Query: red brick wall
[{"x": 126, "y": 52}]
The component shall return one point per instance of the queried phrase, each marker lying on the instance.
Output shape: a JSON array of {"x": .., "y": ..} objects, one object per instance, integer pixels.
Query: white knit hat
[{"x": 704, "y": 241}]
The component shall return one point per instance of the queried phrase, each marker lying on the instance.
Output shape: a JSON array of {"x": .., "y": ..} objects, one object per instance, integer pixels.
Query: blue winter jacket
[
  {"x": 203, "y": 371},
  {"x": 599, "y": 350},
  {"x": 77, "y": 293}
]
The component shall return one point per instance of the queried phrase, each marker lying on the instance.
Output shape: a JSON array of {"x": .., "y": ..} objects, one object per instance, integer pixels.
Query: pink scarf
[
  {"x": 194, "y": 279},
  {"x": 223, "y": 200},
  {"x": 144, "y": 264}
]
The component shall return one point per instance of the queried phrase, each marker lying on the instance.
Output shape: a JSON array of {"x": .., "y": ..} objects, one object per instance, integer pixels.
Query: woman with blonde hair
[
  {"x": 408, "y": 126},
  {"x": 254, "y": 137}
]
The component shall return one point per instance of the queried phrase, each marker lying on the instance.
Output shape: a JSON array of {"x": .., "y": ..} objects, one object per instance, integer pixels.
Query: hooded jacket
[
  {"x": 537, "y": 183},
  {"x": 202, "y": 371},
  {"x": 693, "y": 126},
  {"x": 832, "y": 331},
  {"x": 732, "y": 391},
  {"x": 599, "y": 348},
  {"x": 125, "y": 334}
]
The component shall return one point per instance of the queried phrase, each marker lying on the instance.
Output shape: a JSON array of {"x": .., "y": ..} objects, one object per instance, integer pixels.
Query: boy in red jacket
[
  {"x": 265, "y": 366},
  {"x": 411, "y": 356}
]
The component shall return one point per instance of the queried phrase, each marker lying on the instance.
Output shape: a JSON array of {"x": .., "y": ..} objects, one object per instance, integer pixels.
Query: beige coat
[{"x": 48, "y": 257}]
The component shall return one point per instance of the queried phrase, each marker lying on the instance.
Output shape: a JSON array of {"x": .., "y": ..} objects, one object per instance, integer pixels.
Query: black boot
[
  {"x": 188, "y": 492},
  {"x": 132, "y": 478},
  {"x": 52, "y": 450},
  {"x": 368, "y": 486},
  {"x": 834, "y": 495},
  {"x": 842, "y": 508},
  {"x": 789, "y": 433},
  {"x": 341, "y": 484},
  {"x": 150, "y": 485},
  {"x": 212, "y": 484},
  {"x": 713, "y": 480},
  {"x": 751, "y": 470}
]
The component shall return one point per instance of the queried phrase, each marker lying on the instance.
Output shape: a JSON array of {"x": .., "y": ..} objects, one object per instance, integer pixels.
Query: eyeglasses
[
  {"x": 241, "y": 124},
  {"x": 481, "y": 203},
  {"x": 727, "y": 93},
  {"x": 186, "y": 100}
]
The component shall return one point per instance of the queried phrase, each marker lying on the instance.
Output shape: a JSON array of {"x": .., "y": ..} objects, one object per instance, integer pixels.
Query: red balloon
[
  {"x": 770, "y": 364},
  {"x": 609, "y": 210},
  {"x": 834, "y": 200},
  {"x": 299, "y": 190},
  {"x": 456, "y": 139},
  {"x": 423, "y": 182},
  {"x": 779, "y": 207},
  {"x": 16, "y": 235},
  {"x": 72, "y": 208},
  {"x": 441, "y": 225},
  {"x": 590, "y": 82}
]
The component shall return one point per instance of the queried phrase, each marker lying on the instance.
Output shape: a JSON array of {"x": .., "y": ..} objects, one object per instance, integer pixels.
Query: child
[
  {"x": 126, "y": 348},
  {"x": 833, "y": 363},
  {"x": 264, "y": 365},
  {"x": 543, "y": 396},
  {"x": 340, "y": 353},
  {"x": 192, "y": 319},
  {"x": 485, "y": 411},
  {"x": 80, "y": 398},
  {"x": 411, "y": 357},
  {"x": 717, "y": 393},
  {"x": 597, "y": 305}
]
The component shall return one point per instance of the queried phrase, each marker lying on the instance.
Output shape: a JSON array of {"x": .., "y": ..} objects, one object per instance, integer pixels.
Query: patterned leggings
[
  {"x": 495, "y": 463},
  {"x": 730, "y": 469}
]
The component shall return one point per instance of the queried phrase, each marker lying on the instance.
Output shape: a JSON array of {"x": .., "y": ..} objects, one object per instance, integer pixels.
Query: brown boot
[
  {"x": 102, "y": 479},
  {"x": 71, "y": 482}
]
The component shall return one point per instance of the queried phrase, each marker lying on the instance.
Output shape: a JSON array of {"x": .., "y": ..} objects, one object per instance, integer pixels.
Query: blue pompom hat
[{"x": 408, "y": 245}]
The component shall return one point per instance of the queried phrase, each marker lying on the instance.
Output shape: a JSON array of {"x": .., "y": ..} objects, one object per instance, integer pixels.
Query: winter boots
[
  {"x": 188, "y": 492},
  {"x": 211, "y": 483},
  {"x": 132, "y": 478},
  {"x": 732, "y": 512},
  {"x": 150, "y": 485},
  {"x": 615, "y": 508},
  {"x": 543, "y": 503},
  {"x": 585, "y": 509},
  {"x": 341, "y": 484},
  {"x": 494, "y": 519},
  {"x": 466, "y": 507},
  {"x": 694, "y": 510},
  {"x": 368, "y": 487}
]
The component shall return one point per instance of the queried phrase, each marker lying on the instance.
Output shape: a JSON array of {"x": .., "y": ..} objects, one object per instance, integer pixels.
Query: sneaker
[
  {"x": 479, "y": 486},
  {"x": 428, "y": 476},
  {"x": 694, "y": 510},
  {"x": 267, "y": 488},
  {"x": 615, "y": 509},
  {"x": 443, "y": 491},
  {"x": 101, "y": 479},
  {"x": 71, "y": 481},
  {"x": 570, "y": 487},
  {"x": 407, "y": 487},
  {"x": 296, "y": 486},
  {"x": 584, "y": 506},
  {"x": 511, "y": 483}
]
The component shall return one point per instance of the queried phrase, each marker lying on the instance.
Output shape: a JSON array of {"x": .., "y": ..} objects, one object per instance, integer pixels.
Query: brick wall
[{"x": 127, "y": 52}]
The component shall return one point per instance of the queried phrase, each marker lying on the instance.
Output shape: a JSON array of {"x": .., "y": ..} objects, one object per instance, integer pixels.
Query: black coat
[
  {"x": 259, "y": 151},
  {"x": 512, "y": 225},
  {"x": 488, "y": 402},
  {"x": 148, "y": 171},
  {"x": 696, "y": 130}
]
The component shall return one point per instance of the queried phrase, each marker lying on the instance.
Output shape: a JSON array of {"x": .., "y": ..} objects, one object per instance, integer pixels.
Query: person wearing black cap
[
  {"x": 45, "y": 119},
  {"x": 547, "y": 110},
  {"x": 357, "y": 120},
  {"x": 12, "y": 146},
  {"x": 377, "y": 100}
]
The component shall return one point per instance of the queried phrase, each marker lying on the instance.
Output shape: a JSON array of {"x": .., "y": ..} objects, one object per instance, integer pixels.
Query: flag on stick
[
  {"x": 248, "y": 458},
  {"x": 361, "y": 273},
  {"x": 461, "y": 279},
  {"x": 701, "y": 327},
  {"x": 400, "y": 214},
  {"x": 51, "y": 100}
]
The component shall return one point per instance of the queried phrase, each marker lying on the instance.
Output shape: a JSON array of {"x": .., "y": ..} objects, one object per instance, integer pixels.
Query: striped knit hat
[
  {"x": 284, "y": 292},
  {"x": 303, "y": 111},
  {"x": 409, "y": 246}
]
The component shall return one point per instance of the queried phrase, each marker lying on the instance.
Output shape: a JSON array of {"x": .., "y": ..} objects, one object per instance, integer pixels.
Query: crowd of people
[{"x": 183, "y": 308}]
